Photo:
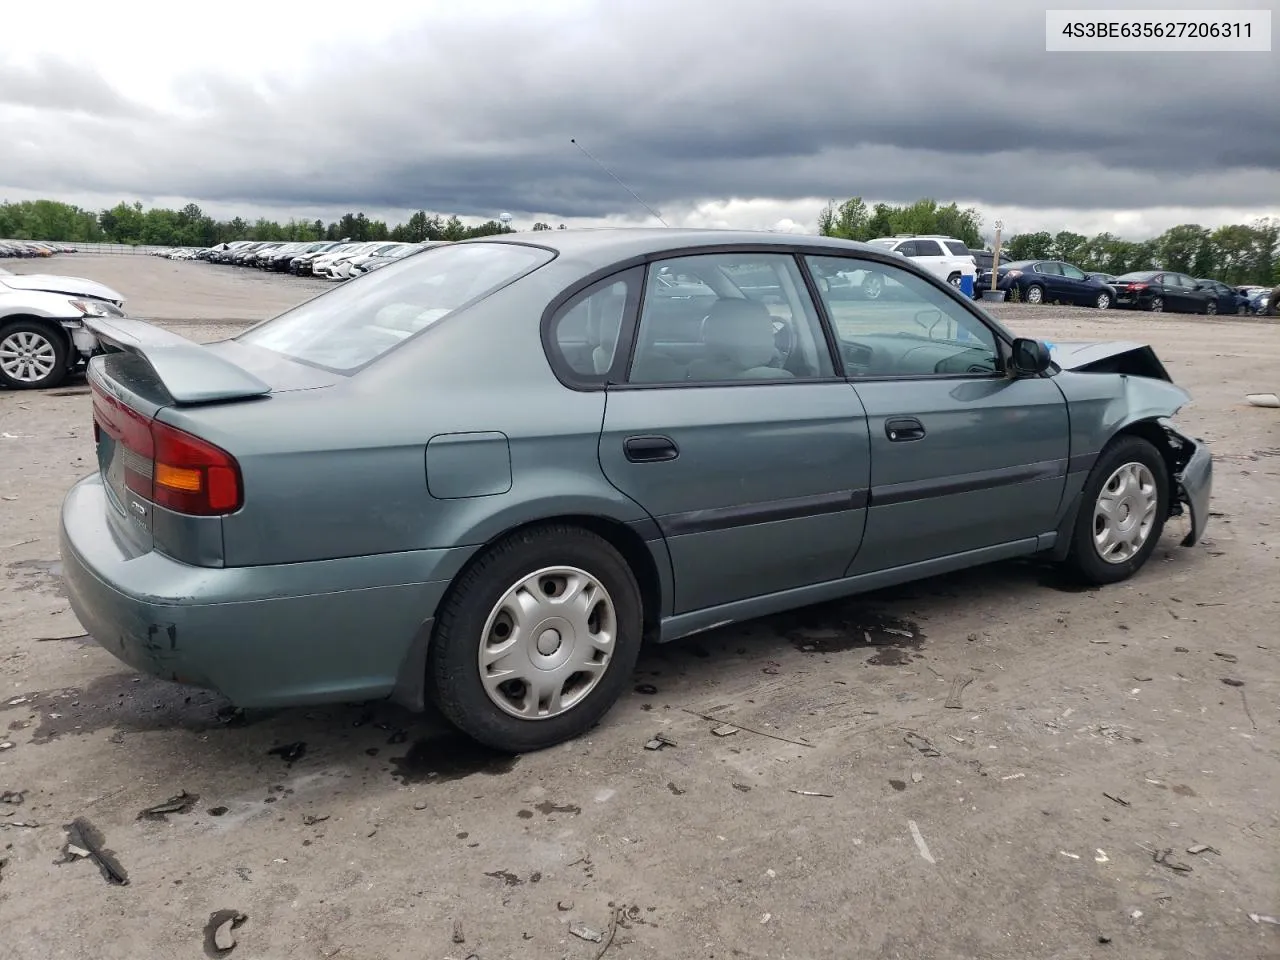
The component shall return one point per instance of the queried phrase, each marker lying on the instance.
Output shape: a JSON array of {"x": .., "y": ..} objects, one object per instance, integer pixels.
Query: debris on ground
[
  {"x": 289, "y": 752},
  {"x": 1162, "y": 857},
  {"x": 922, "y": 744},
  {"x": 1264, "y": 918},
  {"x": 916, "y": 776},
  {"x": 1014, "y": 776},
  {"x": 1120, "y": 800},
  {"x": 1135, "y": 915},
  {"x": 13, "y": 797},
  {"x": 918, "y": 837},
  {"x": 219, "y": 932},
  {"x": 1181, "y": 650},
  {"x": 801, "y": 742},
  {"x": 646, "y": 689},
  {"x": 564, "y": 905},
  {"x": 458, "y": 936},
  {"x": 420, "y": 805},
  {"x": 1203, "y": 848},
  {"x": 659, "y": 741},
  {"x": 1104, "y": 938},
  {"x": 811, "y": 793},
  {"x": 1232, "y": 682},
  {"x": 6, "y": 744},
  {"x": 29, "y": 824},
  {"x": 311, "y": 819},
  {"x": 1073, "y": 856},
  {"x": 181, "y": 803},
  {"x": 583, "y": 932},
  {"x": 724, "y": 730},
  {"x": 84, "y": 836},
  {"x": 1229, "y": 657},
  {"x": 957, "y": 689}
]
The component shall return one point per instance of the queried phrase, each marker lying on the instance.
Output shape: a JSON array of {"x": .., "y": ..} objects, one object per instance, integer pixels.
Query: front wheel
[
  {"x": 1122, "y": 511},
  {"x": 536, "y": 641},
  {"x": 1211, "y": 308},
  {"x": 1103, "y": 301},
  {"x": 32, "y": 356}
]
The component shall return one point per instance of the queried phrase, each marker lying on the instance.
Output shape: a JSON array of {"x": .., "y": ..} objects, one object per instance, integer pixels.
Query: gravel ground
[{"x": 1097, "y": 732}]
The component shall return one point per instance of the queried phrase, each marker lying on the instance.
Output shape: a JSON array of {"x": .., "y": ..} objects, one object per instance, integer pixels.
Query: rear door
[
  {"x": 740, "y": 441},
  {"x": 929, "y": 255},
  {"x": 963, "y": 458},
  {"x": 1049, "y": 276}
]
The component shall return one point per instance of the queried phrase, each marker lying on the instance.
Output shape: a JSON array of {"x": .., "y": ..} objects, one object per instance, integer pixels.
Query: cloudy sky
[{"x": 744, "y": 113}]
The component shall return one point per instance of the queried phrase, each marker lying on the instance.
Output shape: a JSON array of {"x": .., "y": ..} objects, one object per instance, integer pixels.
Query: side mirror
[{"x": 1029, "y": 357}]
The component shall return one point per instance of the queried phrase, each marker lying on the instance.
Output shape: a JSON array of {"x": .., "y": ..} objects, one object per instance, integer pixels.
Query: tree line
[
  {"x": 1235, "y": 254},
  {"x": 129, "y": 223}
]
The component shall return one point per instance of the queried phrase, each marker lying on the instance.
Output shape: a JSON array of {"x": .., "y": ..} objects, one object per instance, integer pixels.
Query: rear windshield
[{"x": 365, "y": 318}]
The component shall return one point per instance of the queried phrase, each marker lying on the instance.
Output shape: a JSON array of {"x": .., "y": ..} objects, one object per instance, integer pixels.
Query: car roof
[{"x": 603, "y": 247}]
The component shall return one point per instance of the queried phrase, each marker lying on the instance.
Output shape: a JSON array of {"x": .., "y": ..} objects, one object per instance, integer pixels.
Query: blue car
[{"x": 1050, "y": 281}]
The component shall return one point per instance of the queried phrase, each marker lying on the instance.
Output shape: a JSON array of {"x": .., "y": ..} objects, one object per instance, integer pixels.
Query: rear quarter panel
[{"x": 342, "y": 471}]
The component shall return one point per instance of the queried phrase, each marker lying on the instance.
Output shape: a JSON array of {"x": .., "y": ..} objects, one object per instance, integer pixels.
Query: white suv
[{"x": 945, "y": 257}]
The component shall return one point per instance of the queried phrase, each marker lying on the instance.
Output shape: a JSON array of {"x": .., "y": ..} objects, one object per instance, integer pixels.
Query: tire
[
  {"x": 1104, "y": 301},
  {"x": 33, "y": 356},
  {"x": 1211, "y": 308},
  {"x": 475, "y": 612},
  {"x": 1157, "y": 305},
  {"x": 1127, "y": 456},
  {"x": 954, "y": 280},
  {"x": 1035, "y": 294}
]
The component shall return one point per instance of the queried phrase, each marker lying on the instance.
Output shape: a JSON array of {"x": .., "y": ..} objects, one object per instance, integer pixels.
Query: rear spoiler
[{"x": 190, "y": 372}]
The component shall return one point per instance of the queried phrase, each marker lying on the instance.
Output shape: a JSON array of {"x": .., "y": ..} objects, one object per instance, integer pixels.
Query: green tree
[
  {"x": 1030, "y": 246},
  {"x": 1068, "y": 246}
]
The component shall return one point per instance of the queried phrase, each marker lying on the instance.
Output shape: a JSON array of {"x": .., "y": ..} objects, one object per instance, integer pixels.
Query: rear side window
[
  {"x": 928, "y": 248},
  {"x": 957, "y": 248},
  {"x": 360, "y": 321},
  {"x": 583, "y": 334}
]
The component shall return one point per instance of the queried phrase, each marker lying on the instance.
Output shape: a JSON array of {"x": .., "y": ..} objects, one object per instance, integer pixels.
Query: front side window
[
  {"x": 896, "y": 324},
  {"x": 735, "y": 317},
  {"x": 1073, "y": 272},
  {"x": 355, "y": 324}
]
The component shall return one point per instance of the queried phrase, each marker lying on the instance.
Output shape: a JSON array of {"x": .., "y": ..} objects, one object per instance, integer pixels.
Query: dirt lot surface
[{"x": 1097, "y": 743}]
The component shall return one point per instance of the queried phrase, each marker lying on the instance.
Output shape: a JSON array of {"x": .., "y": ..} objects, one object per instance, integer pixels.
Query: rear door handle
[
  {"x": 650, "y": 449},
  {"x": 904, "y": 429}
]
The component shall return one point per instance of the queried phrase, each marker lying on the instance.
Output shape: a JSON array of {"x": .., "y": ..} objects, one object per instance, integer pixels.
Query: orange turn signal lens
[{"x": 177, "y": 478}]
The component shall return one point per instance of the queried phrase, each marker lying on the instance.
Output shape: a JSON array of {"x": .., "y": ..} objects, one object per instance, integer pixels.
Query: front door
[
  {"x": 1076, "y": 287},
  {"x": 962, "y": 456},
  {"x": 739, "y": 440}
]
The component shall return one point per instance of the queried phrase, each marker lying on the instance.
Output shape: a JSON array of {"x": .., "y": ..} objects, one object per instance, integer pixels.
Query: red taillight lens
[
  {"x": 170, "y": 467},
  {"x": 1133, "y": 287},
  {"x": 193, "y": 476}
]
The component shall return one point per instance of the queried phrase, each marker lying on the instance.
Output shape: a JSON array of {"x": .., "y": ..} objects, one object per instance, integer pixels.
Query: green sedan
[{"x": 483, "y": 475}]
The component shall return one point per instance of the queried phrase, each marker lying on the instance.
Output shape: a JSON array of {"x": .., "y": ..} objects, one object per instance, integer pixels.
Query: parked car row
[
  {"x": 328, "y": 259},
  {"x": 32, "y": 248},
  {"x": 1056, "y": 281}
]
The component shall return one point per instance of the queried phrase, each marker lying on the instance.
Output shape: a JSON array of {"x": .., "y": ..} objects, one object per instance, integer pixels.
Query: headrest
[{"x": 741, "y": 331}]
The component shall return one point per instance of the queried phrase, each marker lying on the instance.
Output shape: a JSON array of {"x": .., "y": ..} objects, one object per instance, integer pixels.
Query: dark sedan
[
  {"x": 1226, "y": 300},
  {"x": 1164, "y": 291},
  {"x": 1050, "y": 281}
]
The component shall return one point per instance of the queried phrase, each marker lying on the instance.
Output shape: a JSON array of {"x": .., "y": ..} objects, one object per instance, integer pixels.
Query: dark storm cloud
[{"x": 690, "y": 102}]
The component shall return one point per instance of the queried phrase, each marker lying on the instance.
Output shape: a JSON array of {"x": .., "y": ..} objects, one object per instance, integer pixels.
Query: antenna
[{"x": 619, "y": 182}]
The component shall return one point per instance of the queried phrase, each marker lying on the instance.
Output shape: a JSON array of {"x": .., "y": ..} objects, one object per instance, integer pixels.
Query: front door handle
[
  {"x": 650, "y": 449},
  {"x": 904, "y": 429}
]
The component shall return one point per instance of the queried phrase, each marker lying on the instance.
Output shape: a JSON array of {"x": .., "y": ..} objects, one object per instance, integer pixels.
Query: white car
[
  {"x": 945, "y": 257},
  {"x": 42, "y": 333},
  {"x": 345, "y": 269},
  {"x": 324, "y": 266}
]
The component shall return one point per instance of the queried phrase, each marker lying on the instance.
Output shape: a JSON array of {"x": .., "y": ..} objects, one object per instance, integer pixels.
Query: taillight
[
  {"x": 170, "y": 467},
  {"x": 1013, "y": 273},
  {"x": 1135, "y": 287}
]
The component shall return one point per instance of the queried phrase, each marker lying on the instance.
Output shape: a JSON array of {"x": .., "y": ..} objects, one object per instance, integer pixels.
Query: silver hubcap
[
  {"x": 1157, "y": 305},
  {"x": 871, "y": 287},
  {"x": 27, "y": 357},
  {"x": 547, "y": 643},
  {"x": 955, "y": 281},
  {"x": 1125, "y": 513},
  {"x": 1103, "y": 301},
  {"x": 1034, "y": 295},
  {"x": 1212, "y": 308}
]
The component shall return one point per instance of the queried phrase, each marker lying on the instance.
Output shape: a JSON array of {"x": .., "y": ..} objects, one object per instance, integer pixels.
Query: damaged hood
[
  {"x": 67, "y": 286},
  {"x": 1110, "y": 356}
]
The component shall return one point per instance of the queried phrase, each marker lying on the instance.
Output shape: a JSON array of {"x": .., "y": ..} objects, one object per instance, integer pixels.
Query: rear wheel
[
  {"x": 1157, "y": 304},
  {"x": 1122, "y": 512},
  {"x": 32, "y": 356},
  {"x": 954, "y": 279},
  {"x": 536, "y": 640},
  {"x": 1035, "y": 294}
]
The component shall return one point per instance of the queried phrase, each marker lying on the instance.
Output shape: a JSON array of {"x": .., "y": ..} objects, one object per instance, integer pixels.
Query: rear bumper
[{"x": 268, "y": 636}]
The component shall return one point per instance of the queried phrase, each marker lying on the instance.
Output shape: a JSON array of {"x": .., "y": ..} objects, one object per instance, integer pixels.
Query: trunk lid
[{"x": 168, "y": 487}]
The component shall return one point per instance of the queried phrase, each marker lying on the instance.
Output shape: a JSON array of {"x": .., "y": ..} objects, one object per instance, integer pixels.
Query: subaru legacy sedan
[{"x": 483, "y": 475}]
